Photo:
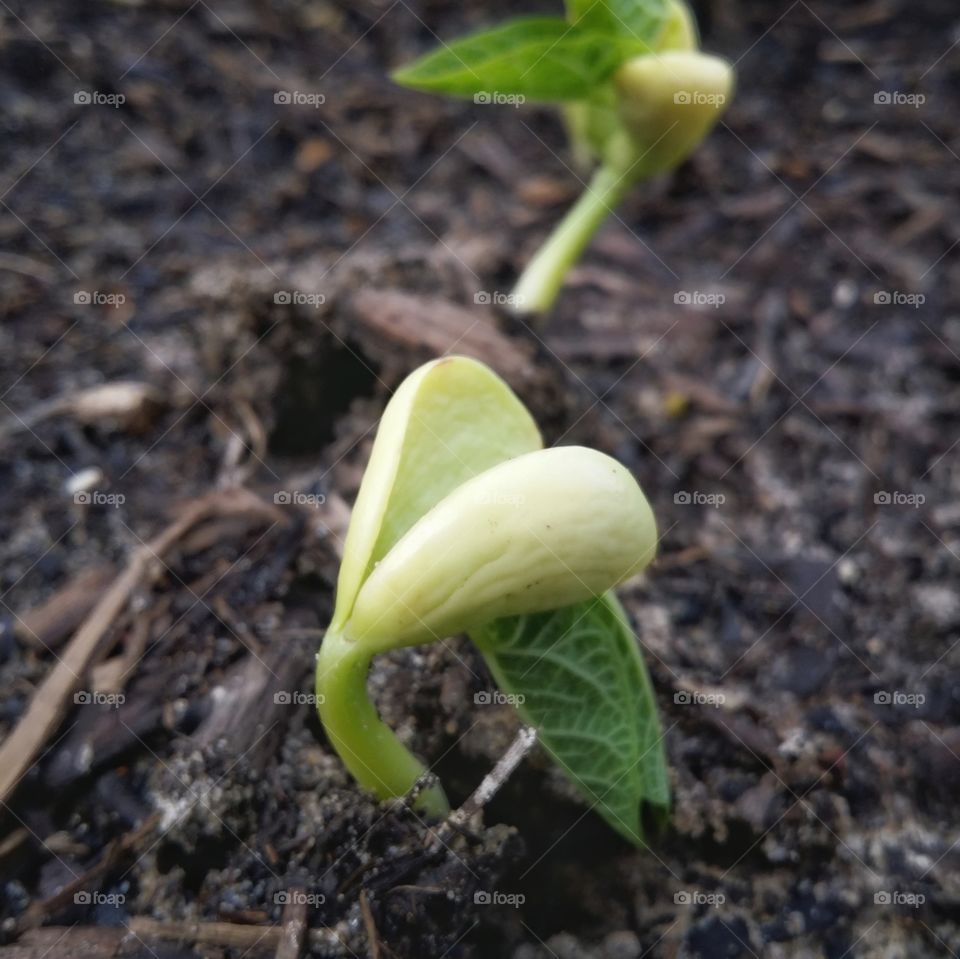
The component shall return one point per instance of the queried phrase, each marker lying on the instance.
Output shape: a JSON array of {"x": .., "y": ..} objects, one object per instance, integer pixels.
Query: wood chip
[{"x": 430, "y": 326}]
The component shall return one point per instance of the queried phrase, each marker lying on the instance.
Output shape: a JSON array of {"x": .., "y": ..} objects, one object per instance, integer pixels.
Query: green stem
[
  {"x": 368, "y": 747},
  {"x": 540, "y": 282}
]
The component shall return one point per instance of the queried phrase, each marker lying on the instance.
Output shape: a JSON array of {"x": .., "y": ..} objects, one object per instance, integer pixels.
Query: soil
[{"x": 769, "y": 338}]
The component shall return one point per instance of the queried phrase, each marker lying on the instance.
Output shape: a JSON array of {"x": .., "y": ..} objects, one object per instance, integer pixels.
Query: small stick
[
  {"x": 497, "y": 776},
  {"x": 253, "y": 938},
  {"x": 46, "y": 626},
  {"x": 373, "y": 938},
  {"x": 294, "y": 924}
]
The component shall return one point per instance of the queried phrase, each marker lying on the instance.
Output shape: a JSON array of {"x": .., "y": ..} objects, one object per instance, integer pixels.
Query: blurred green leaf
[
  {"x": 540, "y": 58},
  {"x": 638, "y": 20}
]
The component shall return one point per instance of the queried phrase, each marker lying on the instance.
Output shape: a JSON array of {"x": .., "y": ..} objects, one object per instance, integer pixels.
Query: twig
[
  {"x": 12, "y": 842},
  {"x": 27, "y": 266},
  {"x": 125, "y": 402},
  {"x": 78, "y": 942},
  {"x": 255, "y": 938},
  {"x": 370, "y": 925},
  {"x": 495, "y": 779},
  {"x": 110, "y": 676},
  {"x": 293, "y": 939},
  {"x": 46, "y": 626},
  {"x": 235, "y": 471},
  {"x": 99, "y": 942},
  {"x": 51, "y": 700}
]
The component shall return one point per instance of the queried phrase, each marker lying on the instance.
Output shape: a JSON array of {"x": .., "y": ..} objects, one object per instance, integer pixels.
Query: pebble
[
  {"x": 941, "y": 604},
  {"x": 86, "y": 480},
  {"x": 621, "y": 945}
]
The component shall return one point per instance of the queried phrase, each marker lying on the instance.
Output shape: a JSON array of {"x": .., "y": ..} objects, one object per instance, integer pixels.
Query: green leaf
[
  {"x": 585, "y": 687},
  {"x": 541, "y": 58},
  {"x": 449, "y": 420},
  {"x": 639, "y": 20}
]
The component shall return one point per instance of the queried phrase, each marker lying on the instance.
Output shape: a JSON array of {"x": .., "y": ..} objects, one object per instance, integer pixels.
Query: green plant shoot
[
  {"x": 464, "y": 523},
  {"x": 637, "y": 94}
]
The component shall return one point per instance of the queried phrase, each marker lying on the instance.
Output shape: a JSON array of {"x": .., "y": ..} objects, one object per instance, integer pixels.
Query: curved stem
[
  {"x": 540, "y": 282},
  {"x": 368, "y": 747}
]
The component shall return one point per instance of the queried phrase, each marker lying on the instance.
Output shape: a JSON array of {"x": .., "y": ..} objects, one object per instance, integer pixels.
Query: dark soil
[{"x": 799, "y": 442}]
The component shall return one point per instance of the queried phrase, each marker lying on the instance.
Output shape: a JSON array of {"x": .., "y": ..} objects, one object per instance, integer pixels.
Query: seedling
[
  {"x": 637, "y": 95},
  {"x": 464, "y": 523}
]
